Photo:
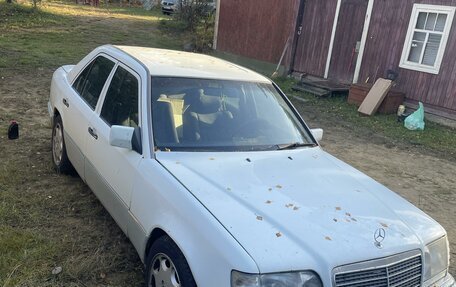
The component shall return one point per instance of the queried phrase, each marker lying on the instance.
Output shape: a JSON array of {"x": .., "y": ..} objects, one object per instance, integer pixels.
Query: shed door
[
  {"x": 347, "y": 40},
  {"x": 313, "y": 42}
]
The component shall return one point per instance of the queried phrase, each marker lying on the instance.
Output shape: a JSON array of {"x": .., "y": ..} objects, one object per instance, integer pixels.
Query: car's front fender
[{"x": 159, "y": 200}]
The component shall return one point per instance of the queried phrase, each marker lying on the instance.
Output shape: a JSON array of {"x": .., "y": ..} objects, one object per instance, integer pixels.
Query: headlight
[
  {"x": 298, "y": 279},
  {"x": 436, "y": 258}
]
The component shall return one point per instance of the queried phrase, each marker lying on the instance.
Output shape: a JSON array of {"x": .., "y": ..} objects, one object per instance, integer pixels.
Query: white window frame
[{"x": 417, "y": 8}]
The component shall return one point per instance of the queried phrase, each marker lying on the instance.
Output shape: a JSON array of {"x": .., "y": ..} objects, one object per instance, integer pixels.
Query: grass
[
  {"x": 49, "y": 220},
  {"x": 60, "y": 32},
  {"x": 435, "y": 137}
]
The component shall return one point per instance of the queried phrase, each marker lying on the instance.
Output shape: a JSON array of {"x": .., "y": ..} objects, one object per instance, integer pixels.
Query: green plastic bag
[{"x": 415, "y": 122}]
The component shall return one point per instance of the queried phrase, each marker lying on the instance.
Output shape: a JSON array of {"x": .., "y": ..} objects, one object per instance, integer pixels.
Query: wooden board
[
  {"x": 393, "y": 99},
  {"x": 375, "y": 97}
]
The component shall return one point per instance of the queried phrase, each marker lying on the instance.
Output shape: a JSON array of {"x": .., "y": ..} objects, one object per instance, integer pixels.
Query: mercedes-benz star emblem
[{"x": 379, "y": 236}]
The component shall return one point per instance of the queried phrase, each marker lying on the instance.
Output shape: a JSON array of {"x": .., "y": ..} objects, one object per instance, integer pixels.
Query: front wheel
[
  {"x": 166, "y": 266},
  {"x": 59, "y": 155}
]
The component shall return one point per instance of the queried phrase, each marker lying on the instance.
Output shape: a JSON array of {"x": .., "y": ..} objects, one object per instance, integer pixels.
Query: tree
[
  {"x": 35, "y": 3},
  {"x": 193, "y": 12}
]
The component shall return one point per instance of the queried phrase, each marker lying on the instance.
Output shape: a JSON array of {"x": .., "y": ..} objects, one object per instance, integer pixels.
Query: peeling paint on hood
[{"x": 296, "y": 214}]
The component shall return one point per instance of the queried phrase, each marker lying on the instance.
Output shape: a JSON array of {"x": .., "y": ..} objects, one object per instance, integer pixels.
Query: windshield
[{"x": 203, "y": 114}]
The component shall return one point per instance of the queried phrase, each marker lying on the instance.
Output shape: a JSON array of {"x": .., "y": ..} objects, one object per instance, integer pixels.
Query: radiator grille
[{"x": 403, "y": 273}]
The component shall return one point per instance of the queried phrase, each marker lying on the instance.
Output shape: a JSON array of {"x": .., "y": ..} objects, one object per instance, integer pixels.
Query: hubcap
[
  {"x": 163, "y": 272},
  {"x": 57, "y": 144}
]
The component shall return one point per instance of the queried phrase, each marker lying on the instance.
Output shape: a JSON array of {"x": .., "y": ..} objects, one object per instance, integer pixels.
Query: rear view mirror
[
  {"x": 317, "y": 133},
  {"x": 125, "y": 137}
]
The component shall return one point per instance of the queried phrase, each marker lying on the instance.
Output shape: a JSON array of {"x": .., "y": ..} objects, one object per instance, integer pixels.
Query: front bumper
[{"x": 169, "y": 9}]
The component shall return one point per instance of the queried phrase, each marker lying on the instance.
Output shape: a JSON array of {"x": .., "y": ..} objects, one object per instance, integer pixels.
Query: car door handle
[
  {"x": 65, "y": 102},
  {"x": 93, "y": 133}
]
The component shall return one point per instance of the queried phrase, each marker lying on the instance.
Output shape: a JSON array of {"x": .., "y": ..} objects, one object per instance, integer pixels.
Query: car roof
[{"x": 161, "y": 62}]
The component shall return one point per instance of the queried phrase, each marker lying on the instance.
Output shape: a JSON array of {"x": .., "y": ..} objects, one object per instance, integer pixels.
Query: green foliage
[
  {"x": 195, "y": 20},
  {"x": 204, "y": 33},
  {"x": 19, "y": 247},
  {"x": 193, "y": 12}
]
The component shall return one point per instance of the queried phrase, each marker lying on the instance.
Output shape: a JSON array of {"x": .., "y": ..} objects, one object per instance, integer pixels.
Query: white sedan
[{"x": 218, "y": 182}]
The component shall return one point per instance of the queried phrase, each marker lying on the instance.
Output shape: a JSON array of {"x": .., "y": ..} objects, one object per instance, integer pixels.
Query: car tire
[
  {"x": 59, "y": 155},
  {"x": 166, "y": 265}
]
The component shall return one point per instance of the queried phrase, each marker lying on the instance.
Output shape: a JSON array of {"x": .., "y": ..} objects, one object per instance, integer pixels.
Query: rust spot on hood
[
  {"x": 278, "y": 234},
  {"x": 384, "y": 224},
  {"x": 338, "y": 208},
  {"x": 260, "y": 218},
  {"x": 328, "y": 238},
  {"x": 268, "y": 202}
]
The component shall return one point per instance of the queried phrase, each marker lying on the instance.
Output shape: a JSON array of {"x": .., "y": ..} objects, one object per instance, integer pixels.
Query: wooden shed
[{"x": 352, "y": 41}]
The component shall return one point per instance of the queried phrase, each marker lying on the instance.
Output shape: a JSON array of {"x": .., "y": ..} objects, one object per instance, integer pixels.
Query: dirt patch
[
  {"x": 54, "y": 219},
  {"x": 424, "y": 178}
]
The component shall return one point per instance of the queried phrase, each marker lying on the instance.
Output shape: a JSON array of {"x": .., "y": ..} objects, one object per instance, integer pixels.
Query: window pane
[
  {"x": 419, "y": 36},
  {"x": 430, "y": 23},
  {"x": 120, "y": 106},
  {"x": 98, "y": 72},
  {"x": 415, "y": 52},
  {"x": 432, "y": 49},
  {"x": 78, "y": 85},
  {"x": 441, "y": 20},
  {"x": 421, "y": 20}
]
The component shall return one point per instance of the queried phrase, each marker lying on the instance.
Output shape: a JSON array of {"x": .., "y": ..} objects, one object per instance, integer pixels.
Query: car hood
[{"x": 297, "y": 209}]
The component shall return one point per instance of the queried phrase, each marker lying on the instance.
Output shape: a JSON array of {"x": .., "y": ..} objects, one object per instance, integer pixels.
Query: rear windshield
[{"x": 205, "y": 115}]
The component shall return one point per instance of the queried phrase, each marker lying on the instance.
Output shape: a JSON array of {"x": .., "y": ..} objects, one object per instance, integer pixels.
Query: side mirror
[
  {"x": 317, "y": 133},
  {"x": 125, "y": 137}
]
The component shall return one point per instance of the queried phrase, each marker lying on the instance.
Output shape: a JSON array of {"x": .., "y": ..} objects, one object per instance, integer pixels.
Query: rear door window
[
  {"x": 92, "y": 79},
  {"x": 120, "y": 106}
]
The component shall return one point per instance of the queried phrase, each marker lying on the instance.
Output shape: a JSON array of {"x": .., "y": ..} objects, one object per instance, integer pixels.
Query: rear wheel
[
  {"x": 59, "y": 155},
  {"x": 166, "y": 266}
]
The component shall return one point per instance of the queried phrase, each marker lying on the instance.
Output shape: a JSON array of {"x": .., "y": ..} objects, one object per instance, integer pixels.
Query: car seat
[{"x": 205, "y": 118}]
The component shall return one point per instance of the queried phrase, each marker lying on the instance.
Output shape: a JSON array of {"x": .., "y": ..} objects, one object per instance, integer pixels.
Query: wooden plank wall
[
  {"x": 386, "y": 37},
  {"x": 313, "y": 44},
  {"x": 349, "y": 31},
  {"x": 257, "y": 29}
]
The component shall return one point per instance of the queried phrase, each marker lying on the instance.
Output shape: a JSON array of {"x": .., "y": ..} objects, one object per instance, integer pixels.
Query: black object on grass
[{"x": 13, "y": 130}]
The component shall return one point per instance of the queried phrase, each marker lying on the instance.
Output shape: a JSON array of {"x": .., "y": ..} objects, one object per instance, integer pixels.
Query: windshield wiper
[{"x": 294, "y": 145}]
